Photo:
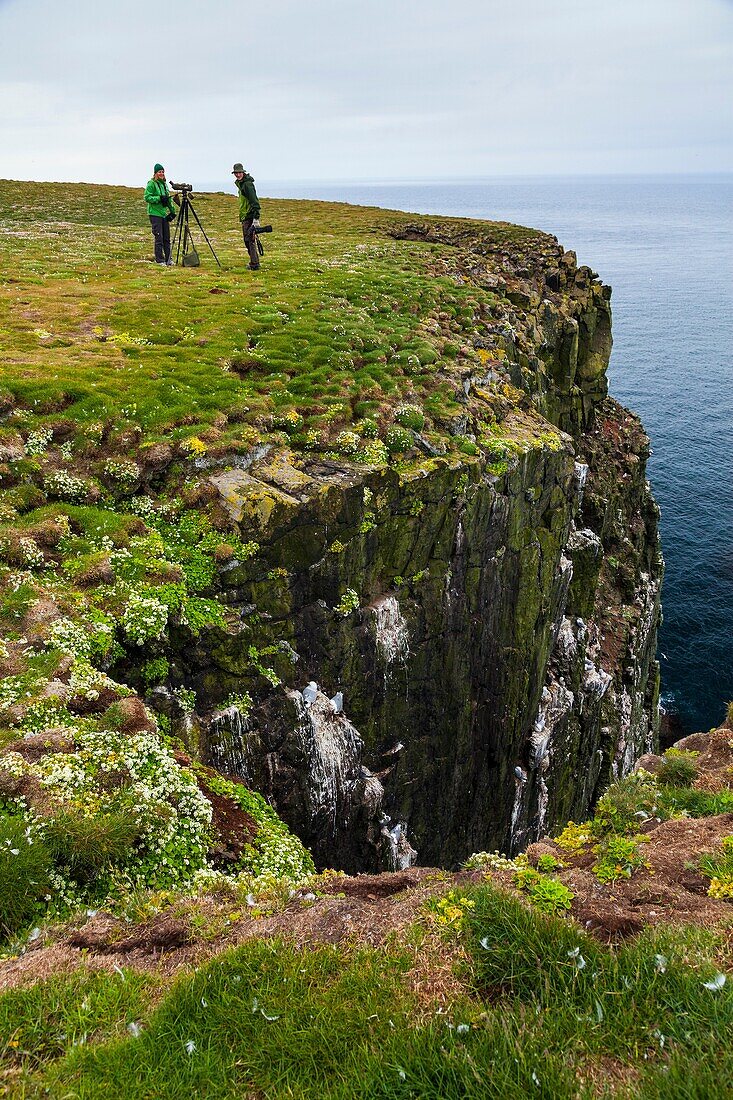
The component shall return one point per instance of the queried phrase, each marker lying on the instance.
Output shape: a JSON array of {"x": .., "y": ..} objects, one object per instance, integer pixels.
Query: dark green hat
[
  {"x": 237, "y": 168},
  {"x": 158, "y": 168}
]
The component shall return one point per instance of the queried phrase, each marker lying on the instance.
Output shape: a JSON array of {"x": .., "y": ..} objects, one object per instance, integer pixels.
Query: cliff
[
  {"x": 367, "y": 535},
  {"x": 490, "y": 619}
]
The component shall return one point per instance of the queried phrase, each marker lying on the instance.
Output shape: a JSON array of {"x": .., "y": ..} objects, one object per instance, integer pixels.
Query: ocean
[{"x": 665, "y": 244}]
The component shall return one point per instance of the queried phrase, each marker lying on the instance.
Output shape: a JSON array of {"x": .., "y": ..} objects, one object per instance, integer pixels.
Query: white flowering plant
[
  {"x": 398, "y": 439},
  {"x": 122, "y": 473},
  {"x": 61, "y": 485},
  {"x": 144, "y": 618},
  {"x": 38, "y": 441},
  {"x": 410, "y": 416},
  {"x": 111, "y": 770}
]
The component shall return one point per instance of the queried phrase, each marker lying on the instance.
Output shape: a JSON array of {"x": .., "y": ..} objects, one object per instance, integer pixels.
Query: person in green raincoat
[
  {"x": 249, "y": 213},
  {"x": 160, "y": 210}
]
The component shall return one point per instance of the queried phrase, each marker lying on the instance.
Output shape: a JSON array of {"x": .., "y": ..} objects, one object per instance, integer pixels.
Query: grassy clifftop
[
  {"x": 343, "y": 323},
  {"x": 369, "y": 338},
  {"x": 122, "y": 385}
]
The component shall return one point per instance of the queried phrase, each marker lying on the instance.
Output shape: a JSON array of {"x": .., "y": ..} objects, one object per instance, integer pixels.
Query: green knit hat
[{"x": 158, "y": 168}]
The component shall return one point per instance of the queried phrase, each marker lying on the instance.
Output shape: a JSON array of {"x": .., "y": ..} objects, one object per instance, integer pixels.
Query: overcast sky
[{"x": 363, "y": 89}]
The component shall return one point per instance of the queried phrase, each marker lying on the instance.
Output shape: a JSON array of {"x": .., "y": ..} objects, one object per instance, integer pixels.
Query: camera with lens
[
  {"x": 182, "y": 186},
  {"x": 262, "y": 228}
]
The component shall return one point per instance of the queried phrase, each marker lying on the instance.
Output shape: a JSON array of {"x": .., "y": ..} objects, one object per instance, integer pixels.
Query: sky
[{"x": 373, "y": 90}]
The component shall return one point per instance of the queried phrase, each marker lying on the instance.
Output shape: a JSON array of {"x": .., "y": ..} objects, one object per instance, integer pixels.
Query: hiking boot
[{"x": 254, "y": 267}]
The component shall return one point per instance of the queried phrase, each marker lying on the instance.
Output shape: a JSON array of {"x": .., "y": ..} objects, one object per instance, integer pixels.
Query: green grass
[
  {"x": 97, "y": 334},
  {"x": 25, "y": 864},
  {"x": 544, "y": 1011},
  {"x": 45, "y": 1022},
  {"x": 696, "y": 803}
]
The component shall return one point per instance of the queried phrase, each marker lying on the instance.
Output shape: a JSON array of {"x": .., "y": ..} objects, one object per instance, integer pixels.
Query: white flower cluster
[
  {"x": 493, "y": 861},
  {"x": 142, "y": 506},
  {"x": 13, "y": 764},
  {"x": 30, "y": 552},
  {"x": 174, "y": 814},
  {"x": 64, "y": 773},
  {"x": 20, "y": 577},
  {"x": 44, "y": 714},
  {"x": 119, "y": 557},
  {"x": 348, "y": 442},
  {"x": 410, "y": 416},
  {"x": 87, "y": 681},
  {"x": 13, "y": 689},
  {"x": 281, "y": 855},
  {"x": 187, "y": 698},
  {"x": 64, "y": 486},
  {"x": 69, "y": 637},
  {"x": 398, "y": 438},
  {"x": 144, "y": 618},
  {"x": 123, "y": 473},
  {"x": 38, "y": 441}
]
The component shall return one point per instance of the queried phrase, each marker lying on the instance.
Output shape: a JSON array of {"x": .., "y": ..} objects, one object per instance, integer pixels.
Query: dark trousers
[
  {"x": 162, "y": 234},
  {"x": 250, "y": 242}
]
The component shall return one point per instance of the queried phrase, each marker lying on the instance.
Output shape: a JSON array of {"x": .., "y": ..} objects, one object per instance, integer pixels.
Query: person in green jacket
[
  {"x": 159, "y": 210},
  {"x": 249, "y": 213}
]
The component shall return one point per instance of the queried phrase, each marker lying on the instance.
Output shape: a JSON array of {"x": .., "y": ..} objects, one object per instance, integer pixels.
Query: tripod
[{"x": 183, "y": 236}]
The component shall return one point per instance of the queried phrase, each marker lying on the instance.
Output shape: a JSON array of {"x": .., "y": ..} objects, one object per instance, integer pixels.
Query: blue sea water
[{"x": 665, "y": 244}]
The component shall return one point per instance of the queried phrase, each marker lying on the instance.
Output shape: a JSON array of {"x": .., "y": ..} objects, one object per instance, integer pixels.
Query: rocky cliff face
[{"x": 489, "y": 621}]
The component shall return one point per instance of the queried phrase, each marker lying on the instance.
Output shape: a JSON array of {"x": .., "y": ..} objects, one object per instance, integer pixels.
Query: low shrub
[
  {"x": 410, "y": 416},
  {"x": 575, "y": 838},
  {"x": 450, "y": 909},
  {"x": 547, "y": 894},
  {"x": 85, "y": 845},
  {"x": 155, "y": 671},
  {"x": 626, "y": 804},
  {"x": 679, "y": 768},
  {"x": 618, "y": 857},
  {"x": 398, "y": 439}
]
